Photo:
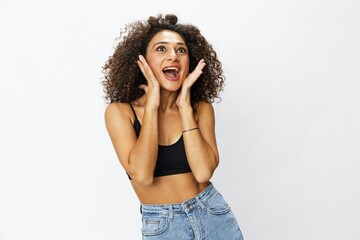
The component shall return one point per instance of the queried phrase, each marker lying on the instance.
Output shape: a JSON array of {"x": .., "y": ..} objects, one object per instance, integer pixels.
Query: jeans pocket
[
  {"x": 154, "y": 225},
  {"x": 217, "y": 205}
]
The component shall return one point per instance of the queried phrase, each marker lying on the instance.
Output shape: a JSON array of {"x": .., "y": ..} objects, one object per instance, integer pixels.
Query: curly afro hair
[{"x": 123, "y": 76}]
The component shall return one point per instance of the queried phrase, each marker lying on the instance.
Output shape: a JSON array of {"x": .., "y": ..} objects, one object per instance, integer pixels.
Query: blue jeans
[{"x": 205, "y": 216}]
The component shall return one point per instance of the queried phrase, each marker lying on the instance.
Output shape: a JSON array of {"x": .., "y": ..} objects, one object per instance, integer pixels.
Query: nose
[{"x": 173, "y": 56}]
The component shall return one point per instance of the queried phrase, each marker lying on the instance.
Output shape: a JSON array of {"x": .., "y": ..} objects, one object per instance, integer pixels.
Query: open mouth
[{"x": 171, "y": 72}]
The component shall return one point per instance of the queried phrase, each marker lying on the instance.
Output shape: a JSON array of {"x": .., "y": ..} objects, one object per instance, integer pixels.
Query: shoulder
[
  {"x": 204, "y": 109},
  {"x": 116, "y": 108},
  {"x": 118, "y": 112}
]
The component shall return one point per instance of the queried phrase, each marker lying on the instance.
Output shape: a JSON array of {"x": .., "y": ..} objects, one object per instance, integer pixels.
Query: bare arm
[
  {"x": 200, "y": 145},
  {"x": 137, "y": 155}
]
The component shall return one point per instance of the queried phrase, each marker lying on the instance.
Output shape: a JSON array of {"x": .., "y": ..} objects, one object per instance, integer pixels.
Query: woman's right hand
[{"x": 152, "y": 89}]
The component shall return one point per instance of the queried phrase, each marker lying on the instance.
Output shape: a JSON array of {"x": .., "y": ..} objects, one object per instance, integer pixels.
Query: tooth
[{"x": 171, "y": 69}]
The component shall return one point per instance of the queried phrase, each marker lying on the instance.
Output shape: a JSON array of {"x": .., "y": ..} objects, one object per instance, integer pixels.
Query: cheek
[
  {"x": 150, "y": 60},
  {"x": 152, "y": 63}
]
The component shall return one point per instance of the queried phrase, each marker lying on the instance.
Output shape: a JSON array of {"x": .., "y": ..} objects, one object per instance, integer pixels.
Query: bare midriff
[{"x": 169, "y": 189}]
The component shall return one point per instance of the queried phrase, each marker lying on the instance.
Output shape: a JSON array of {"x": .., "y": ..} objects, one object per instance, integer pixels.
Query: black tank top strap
[
  {"x": 137, "y": 125},
  {"x": 132, "y": 108}
]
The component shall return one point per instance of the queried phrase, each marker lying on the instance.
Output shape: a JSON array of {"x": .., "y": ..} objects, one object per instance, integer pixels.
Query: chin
[{"x": 172, "y": 89}]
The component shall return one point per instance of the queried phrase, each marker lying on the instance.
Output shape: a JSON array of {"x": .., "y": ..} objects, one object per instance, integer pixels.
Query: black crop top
[{"x": 171, "y": 159}]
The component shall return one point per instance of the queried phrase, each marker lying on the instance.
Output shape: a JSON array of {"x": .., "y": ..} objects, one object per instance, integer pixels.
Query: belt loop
[
  {"x": 140, "y": 209},
  {"x": 198, "y": 200},
  {"x": 171, "y": 212}
]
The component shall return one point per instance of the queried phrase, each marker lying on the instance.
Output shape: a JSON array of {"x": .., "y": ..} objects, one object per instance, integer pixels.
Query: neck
[{"x": 167, "y": 100}]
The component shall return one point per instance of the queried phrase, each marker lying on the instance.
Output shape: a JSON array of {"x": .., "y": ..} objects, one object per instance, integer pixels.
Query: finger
[
  {"x": 194, "y": 75},
  {"x": 141, "y": 66},
  {"x": 198, "y": 70},
  {"x": 146, "y": 69}
]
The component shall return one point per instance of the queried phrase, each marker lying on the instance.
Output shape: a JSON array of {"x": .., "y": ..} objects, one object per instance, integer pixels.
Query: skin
[{"x": 164, "y": 112}]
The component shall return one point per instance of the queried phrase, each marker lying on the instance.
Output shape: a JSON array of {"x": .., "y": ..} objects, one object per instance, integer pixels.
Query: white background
[{"x": 287, "y": 126}]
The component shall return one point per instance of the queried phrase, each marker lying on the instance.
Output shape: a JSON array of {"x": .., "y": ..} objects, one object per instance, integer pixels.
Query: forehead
[{"x": 166, "y": 36}]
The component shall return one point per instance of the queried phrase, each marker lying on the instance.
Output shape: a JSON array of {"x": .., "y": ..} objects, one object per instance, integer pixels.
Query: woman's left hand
[{"x": 183, "y": 99}]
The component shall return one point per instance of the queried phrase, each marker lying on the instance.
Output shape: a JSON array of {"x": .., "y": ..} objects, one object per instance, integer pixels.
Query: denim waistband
[{"x": 185, "y": 206}]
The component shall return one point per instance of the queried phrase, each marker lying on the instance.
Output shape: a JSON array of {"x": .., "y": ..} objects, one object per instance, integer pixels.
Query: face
[{"x": 168, "y": 57}]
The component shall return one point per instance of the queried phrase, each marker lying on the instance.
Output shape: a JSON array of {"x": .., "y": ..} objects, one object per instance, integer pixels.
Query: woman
[{"x": 160, "y": 82}]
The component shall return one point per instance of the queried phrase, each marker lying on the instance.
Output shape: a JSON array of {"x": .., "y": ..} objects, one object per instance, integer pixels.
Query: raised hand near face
[
  {"x": 152, "y": 89},
  {"x": 183, "y": 99}
]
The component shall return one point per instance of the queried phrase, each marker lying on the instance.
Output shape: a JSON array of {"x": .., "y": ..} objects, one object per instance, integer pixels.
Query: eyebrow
[{"x": 163, "y": 42}]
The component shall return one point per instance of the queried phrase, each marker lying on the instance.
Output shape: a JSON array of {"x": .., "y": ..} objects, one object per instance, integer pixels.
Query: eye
[
  {"x": 161, "y": 49},
  {"x": 182, "y": 50}
]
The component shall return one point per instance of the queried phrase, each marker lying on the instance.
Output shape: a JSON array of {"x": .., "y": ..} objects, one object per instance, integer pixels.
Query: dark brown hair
[{"x": 123, "y": 76}]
